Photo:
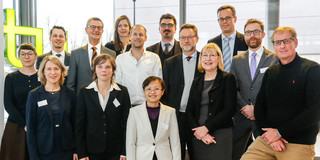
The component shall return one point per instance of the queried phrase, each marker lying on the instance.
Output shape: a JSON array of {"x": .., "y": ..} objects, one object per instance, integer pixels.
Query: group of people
[{"x": 121, "y": 101}]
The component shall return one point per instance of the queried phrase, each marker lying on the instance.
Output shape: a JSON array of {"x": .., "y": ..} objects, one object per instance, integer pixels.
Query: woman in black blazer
[
  {"x": 211, "y": 106},
  {"x": 16, "y": 89},
  {"x": 101, "y": 116},
  {"x": 50, "y": 114},
  {"x": 121, "y": 42}
]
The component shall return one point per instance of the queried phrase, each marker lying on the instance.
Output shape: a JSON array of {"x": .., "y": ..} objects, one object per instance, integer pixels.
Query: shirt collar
[
  {"x": 259, "y": 52},
  {"x": 163, "y": 43},
  {"x": 98, "y": 46},
  {"x": 55, "y": 53},
  {"x": 93, "y": 85},
  {"x": 233, "y": 36},
  {"x": 193, "y": 56}
]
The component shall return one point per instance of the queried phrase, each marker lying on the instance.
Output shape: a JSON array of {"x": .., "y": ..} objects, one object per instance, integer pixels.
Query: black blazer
[
  {"x": 66, "y": 59},
  {"x": 40, "y": 121},
  {"x": 111, "y": 46},
  {"x": 173, "y": 76},
  {"x": 239, "y": 45},
  {"x": 98, "y": 131},
  {"x": 155, "y": 48},
  {"x": 222, "y": 102}
]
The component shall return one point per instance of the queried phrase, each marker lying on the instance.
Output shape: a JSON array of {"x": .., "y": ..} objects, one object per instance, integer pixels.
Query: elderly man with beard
[
  {"x": 248, "y": 69},
  {"x": 134, "y": 66},
  {"x": 178, "y": 73},
  {"x": 168, "y": 46}
]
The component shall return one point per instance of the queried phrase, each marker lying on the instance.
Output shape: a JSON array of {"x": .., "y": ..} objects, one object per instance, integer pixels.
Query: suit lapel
[
  {"x": 64, "y": 102},
  {"x": 246, "y": 63},
  {"x": 158, "y": 47},
  {"x": 197, "y": 73},
  {"x": 85, "y": 56},
  {"x": 93, "y": 95},
  {"x": 263, "y": 59},
  {"x": 236, "y": 44},
  {"x": 66, "y": 59},
  {"x": 179, "y": 67},
  {"x": 145, "y": 118},
  {"x": 176, "y": 48},
  {"x": 161, "y": 121},
  {"x": 113, "y": 94}
]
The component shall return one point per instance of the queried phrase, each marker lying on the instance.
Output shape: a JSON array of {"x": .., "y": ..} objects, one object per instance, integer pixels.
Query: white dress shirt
[
  {"x": 258, "y": 56},
  {"x": 131, "y": 73},
  {"x": 163, "y": 46},
  {"x": 90, "y": 51},
  {"x": 62, "y": 57}
]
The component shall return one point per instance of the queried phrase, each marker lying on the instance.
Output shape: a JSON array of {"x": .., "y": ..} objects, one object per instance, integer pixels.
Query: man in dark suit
[
  {"x": 248, "y": 69},
  {"x": 81, "y": 60},
  {"x": 178, "y": 73},
  {"x": 168, "y": 46},
  {"x": 230, "y": 41},
  {"x": 57, "y": 39}
]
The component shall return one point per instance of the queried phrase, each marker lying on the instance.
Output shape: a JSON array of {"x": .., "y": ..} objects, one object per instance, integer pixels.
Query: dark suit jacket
[
  {"x": 155, "y": 48},
  {"x": 40, "y": 123},
  {"x": 98, "y": 131},
  {"x": 239, "y": 45},
  {"x": 66, "y": 59},
  {"x": 222, "y": 102},
  {"x": 174, "y": 78},
  {"x": 80, "y": 73},
  {"x": 247, "y": 89},
  {"x": 111, "y": 46}
]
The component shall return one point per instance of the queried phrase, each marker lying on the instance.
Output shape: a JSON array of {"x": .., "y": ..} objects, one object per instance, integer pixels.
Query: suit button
[
  {"x": 251, "y": 88},
  {"x": 104, "y": 132},
  {"x": 104, "y": 124},
  {"x": 103, "y": 116},
  {"x": 153, "y": 144},
  {"x": 249, "y": 100},
  {"x": 211, "y": 100},
  {"x": 209, "y": 114}
]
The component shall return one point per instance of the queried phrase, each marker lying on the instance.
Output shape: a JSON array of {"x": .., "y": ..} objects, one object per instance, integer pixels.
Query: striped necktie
[
  {"x": 94, "y": 56},
  {"x": 227, "y": 57}
]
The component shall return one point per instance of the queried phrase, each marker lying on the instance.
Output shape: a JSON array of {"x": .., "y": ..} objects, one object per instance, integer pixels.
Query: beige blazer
[{"x": 140, "y": 142}]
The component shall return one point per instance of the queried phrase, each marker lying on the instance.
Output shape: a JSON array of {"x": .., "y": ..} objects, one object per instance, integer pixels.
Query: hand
[
  {"x": 122, "y": 158},
  {"x": 85, "y": 158},
  {"x": 278, "y": 145},
  {"x": 270, "y": 135},
  {"x": 208, "y": 139},
  {"x": 25, "y": 128},
  {"x": 248, "y": 111},
  {"x": 200, "y": 132},
  {"x": 75, "y": 156}
]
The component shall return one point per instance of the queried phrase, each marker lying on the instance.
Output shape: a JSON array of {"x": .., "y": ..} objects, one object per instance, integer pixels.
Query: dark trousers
[
  {"x": 103, "y": 156},
  {"x": 243, "y": 128},
  {"x": 185, "y": 135}
]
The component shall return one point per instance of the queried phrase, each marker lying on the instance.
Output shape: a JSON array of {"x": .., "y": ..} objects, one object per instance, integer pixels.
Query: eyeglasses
[
  {"x": 93, "y": 27},
  {"x": 30, "y": 54},
  {"x": 228, "y": 18},
  {"x": 285, "y": 41},
  {"x": 152, "y": 89},
  {"x": 186, "y": 38},
  {"x": 163, "y": 25},
  {"x": 255, "y": 32},
  {"x": 211, "y": 56}
]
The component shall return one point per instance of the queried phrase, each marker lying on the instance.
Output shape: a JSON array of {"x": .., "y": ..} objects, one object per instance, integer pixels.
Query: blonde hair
[
  {"x": 215, "y": 47},
  {"x": 55, "y": 61},
  {"x": 284, "y": 29}
]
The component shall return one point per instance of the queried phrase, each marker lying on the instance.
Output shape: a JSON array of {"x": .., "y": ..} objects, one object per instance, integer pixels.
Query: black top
[
  {"x": 55, "y": 106},
  {"x": 16, "y": 89},
  {"x": 111, "y": 46},
  {"x": 289, "y": 100}
]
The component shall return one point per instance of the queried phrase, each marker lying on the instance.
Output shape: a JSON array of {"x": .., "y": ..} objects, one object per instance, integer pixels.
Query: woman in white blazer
[{"x": 152, "y": 128}]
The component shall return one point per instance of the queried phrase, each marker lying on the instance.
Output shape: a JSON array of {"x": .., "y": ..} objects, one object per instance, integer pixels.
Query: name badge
[
  {"x": 42, "y": 103},
  {"x": 262, "y": 70},
  {"x": 116, "y": 102},
  {"x": 67, "y": 68}
]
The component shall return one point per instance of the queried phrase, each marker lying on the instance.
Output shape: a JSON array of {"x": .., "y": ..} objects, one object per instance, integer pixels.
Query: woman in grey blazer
[{"x": 152, "y": 129}]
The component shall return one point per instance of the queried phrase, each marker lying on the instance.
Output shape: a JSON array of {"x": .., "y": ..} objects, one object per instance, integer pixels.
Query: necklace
[{"x": 53, "y": 92}]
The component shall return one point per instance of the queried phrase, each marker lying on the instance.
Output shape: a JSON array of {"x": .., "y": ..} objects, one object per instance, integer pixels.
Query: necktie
[
  {"x": 188, "y": 58},
  {"x": 93, "y": 57},
  {"x": 58, "y": 55},
  {"x": 226, "y": 54},
  {"x": 166, "y": 49},
  {"x": 253, "y": 65}
]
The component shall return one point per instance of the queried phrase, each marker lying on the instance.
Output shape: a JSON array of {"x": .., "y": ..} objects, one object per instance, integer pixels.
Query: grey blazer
[
  {"x": 80, "y": 73},
  {"x": 247, "y": 89}
]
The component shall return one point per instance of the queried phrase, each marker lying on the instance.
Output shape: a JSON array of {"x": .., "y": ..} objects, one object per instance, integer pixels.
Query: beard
[
  {"x": 187, "y": 48},
  {"x": 255, "y": 44}
]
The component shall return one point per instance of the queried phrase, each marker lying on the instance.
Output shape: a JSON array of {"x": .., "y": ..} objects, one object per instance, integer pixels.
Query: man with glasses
[
  {"x": 248, "y": 69},
  {"x": 81, "y": 61},
  {"x": 230, "y": 42},
  {"x": 178, "y": 74},
  {"x": 134, "y": 66},
  {"x": 168, "y": 46},
  {"x": 287, "y": 107}
]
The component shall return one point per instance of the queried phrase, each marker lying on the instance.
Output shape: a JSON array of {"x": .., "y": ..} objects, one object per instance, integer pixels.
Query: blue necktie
[{"x": 227, "y": 57}]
